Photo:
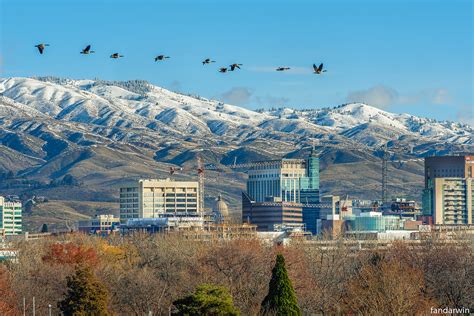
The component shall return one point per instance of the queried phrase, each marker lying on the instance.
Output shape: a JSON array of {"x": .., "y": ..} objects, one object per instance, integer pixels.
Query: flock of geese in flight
[{"x": 86, "y": 51}]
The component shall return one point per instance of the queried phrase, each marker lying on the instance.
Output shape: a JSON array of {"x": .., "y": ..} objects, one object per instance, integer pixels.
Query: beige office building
[
  {"x": 452, "y": 201},
  {"x": 448, "y": 192},
  {"x": 154, "y": 198},
  {"x": 99, "y": 224}
]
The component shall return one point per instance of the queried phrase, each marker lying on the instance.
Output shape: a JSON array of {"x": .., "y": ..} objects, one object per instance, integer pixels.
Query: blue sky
[{"x": 411, "y": 56}]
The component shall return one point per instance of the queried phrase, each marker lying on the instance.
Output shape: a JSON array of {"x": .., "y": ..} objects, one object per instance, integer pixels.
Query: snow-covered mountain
[
  {"x": 139, "y": 105},
  {"x": 102, "y": 131}
]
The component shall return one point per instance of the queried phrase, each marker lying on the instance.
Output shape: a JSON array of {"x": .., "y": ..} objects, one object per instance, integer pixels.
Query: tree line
[{"x": 166, "y": 273}]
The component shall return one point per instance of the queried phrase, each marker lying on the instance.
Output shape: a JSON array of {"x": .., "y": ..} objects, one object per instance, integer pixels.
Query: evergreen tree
[
  {"x": 44, "y": 228},
  {"x": 209, "y": 300},
  {"x": 85, "y": 295},
  {"x": 281, "y": 298}
]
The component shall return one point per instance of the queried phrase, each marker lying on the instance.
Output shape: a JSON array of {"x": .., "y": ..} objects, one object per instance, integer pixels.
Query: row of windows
[
  {"x": 128, "y": 189},
  {"x": 170, "y": 206},
  {"x": 135, "y": 206},
  {"x": 128, "y": 211},
  {"x": 169, "y": 200},
  {"x": 184, "y": 210},
  {"x": 128, "y": 195},
  {"x": 169, "y": 194},
  {"x": 171, "y": 190},
  {"x": 128, "y": 200}
]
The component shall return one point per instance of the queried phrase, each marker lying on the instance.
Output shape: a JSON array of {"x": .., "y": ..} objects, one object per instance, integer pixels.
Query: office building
[
  {"x": 289, "y": 180},
  {"x": 403, "y": 207},
  {"x": 101, "y": 224},
  {"x": 153, "y": 198},
  {"x": 452, "y": 201},
  {"x": 448, "y": 167},
  {"x": 288, "y": 189},
  {"x": 10, "y": 217},
  {"x": 448, "y": 192},
  {"x": 271, "y": 215}
]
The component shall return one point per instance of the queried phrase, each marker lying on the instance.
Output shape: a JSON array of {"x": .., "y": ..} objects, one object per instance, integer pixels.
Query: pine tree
[
  {"x": 209, "y": 300},
  {"x": 44, "y": 228},
  {"x": 281, "y": 298},
  {"x": 85, "y": 295}
]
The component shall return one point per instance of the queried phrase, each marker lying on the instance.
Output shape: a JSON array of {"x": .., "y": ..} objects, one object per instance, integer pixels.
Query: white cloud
[
  {"x": 244, "y": 96},
  {"x": 466, "y": 115},
  {"x": 175, "y": 86},
  {"x": 440, "y": 96},
  {"x": 237, "y": 96},
  {"x": 384, "y": 97},
  {"x": 272, "y": 101},
  {"x": 379, "y": 96}
]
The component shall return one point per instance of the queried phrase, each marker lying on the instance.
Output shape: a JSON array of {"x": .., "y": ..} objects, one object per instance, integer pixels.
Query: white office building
[{"x": 155, "y": 198}]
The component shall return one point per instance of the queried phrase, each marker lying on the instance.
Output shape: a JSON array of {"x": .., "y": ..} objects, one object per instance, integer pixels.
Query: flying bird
[
  {"x": 41, "y": 47},
  {"x": 115, "y": 55},
  {"x": 233, "y": 66},
  {"x": 161, "y": 57},
  {"x": 87, "y": 50},
  {"x": 207, "y": 61},
  {"x": 318, "y": 70},
  {"x": 223, "y": 69},
  {"x": 282, "y": 68}
]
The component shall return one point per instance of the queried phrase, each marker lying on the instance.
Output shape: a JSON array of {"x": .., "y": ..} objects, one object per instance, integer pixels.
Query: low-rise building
[
  {"x": 10, "y": 217},
  {"x": 101, "y": 224},
  {"x": 403, "y": 208},
  {"x": 272, "y": 215},
  {"x": 375, "y": 221}
]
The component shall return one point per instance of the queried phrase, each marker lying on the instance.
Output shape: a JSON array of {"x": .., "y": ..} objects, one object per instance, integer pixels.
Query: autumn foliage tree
[
  {"x": 69, "y": 253},
  {"x": 144, "y": 272},
  {"x": 7, "y": 296},
  {"x": 386, "y": 287}
]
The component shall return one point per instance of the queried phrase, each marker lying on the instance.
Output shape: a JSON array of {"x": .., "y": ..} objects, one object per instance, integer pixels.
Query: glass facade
[
  {"x": 375, "y": 223},
  {"x": 288, "y": 180},
  {"x": 291, "y": 180}
]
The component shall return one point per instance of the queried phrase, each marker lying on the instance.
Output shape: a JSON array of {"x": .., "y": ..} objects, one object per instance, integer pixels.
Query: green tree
[
  {"x": 85, "y": 295},
  {"x": 281, "y": 298},
  {"x": 44, "y": 228},
  {"x": 208, "y": 299}
]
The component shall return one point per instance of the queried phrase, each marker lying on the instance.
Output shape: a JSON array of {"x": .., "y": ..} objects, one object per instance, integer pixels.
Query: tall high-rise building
[
  {"x": 10, "y": 217},
  {"x": 154, "y": 198},
  {"x": 449, "y": 189},
  {"x": 290, "y": 180},
  {"x": 282, "y": 192}
]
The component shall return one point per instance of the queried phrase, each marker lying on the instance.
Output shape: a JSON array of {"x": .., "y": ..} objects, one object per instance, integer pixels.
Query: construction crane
[{"x": 200, "y": 171}]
